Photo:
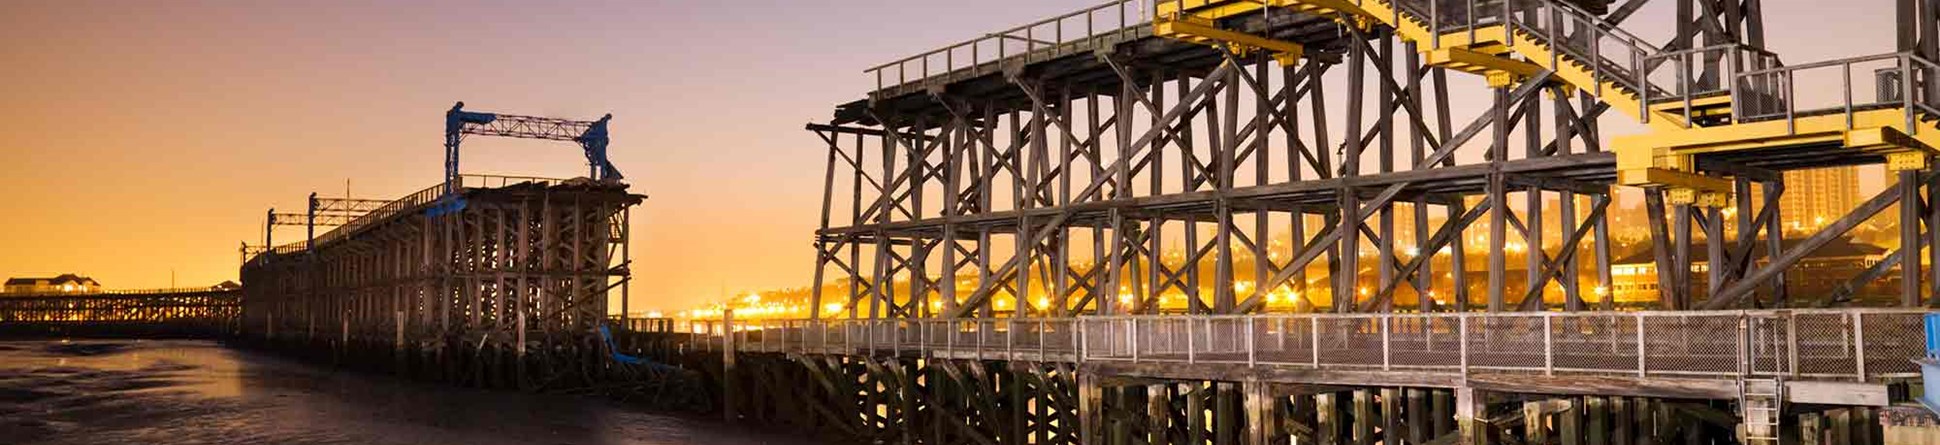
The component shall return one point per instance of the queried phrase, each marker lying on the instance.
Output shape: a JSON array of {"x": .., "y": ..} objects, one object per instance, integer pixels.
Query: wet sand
[{"x": 200, "y": 392}]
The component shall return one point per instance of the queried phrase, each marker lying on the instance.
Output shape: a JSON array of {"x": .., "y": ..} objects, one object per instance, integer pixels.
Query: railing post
[
  {"x": 1859, "y": 344},
  {"x": 983, "y": 334},
  {"x": 1191, "y": 343},
  {"x": 1082, "y": 344},
  {"x": 1251, "y": 358},
  {"x": 1133, "y": 333},
  {"x": 1386, "y": 336},
  {"x": 1845, "y": 72},
  {"x": 1549, "y": 345},
  {"x": 1461, "y": 333},
  {"x": 1792, "y": 343},
  {"x": 1791, "y": 106},
  {"x": 1434, "y": 24},
  {"x": 1313, "y": 340},
  {"x": 1744, "y": 345},
  {"x": 1040, "y": 339},
  {"x": 1684, "y": 85},
  {"x": 1641, "y": 369},
  {"x": 1010, "y": 339},
  {"x": 1639, "y": 63},
  {"x": 1906, "y": 92}
]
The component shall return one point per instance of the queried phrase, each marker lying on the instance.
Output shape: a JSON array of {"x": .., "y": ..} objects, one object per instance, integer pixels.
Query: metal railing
[
  {"x": 1652, "y": 74},
  {"x": 116, "y": 292},
  {"x": 1826, "y": 344},
  {"x": 1051, "y": 38},
  {"x": 1902, "y": 80},
  {"x": 409, "y": 203}
]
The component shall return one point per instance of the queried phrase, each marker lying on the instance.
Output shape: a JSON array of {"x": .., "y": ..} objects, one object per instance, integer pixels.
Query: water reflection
[{"x": 96, "y": 392}]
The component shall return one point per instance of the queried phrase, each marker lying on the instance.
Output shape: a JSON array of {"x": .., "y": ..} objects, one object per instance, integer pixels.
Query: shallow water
[{"x": 200, "y": 392}]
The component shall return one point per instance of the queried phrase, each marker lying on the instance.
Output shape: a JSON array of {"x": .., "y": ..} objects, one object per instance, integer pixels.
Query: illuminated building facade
[
  {"x": 1815, "y": 197},
  {"x": 63, "y": 284},
  {"x": 1817, "y": 276}
]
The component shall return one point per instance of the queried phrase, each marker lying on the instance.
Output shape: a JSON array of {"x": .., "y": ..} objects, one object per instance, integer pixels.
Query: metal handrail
[
  {"x": 114, "y": 292},
  {"x": 409, "y": 203},
  {"x": 1807, "y": 343},
  {"x": 1768, "y": 94},
  {"x": 1025, "y": 33}
]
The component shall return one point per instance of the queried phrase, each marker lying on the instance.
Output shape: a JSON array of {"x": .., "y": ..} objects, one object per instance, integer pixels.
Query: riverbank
[{"x": 201, "y": 392}]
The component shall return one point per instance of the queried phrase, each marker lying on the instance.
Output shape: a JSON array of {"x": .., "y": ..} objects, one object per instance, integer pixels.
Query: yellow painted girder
[
  {"x": 1663, "y": 177},
  {"x": 1867, "y": 132},
  {"x": 1470, "y": 61},
  {"x": 1286, "y": 53}
]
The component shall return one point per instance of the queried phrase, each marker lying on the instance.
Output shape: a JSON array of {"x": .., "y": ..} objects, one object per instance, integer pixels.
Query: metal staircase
[{"x": 1697, "y": 101}]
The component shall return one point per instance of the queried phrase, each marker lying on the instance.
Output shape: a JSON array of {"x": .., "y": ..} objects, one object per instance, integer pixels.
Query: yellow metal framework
[{"x": 1693, "y": 124}]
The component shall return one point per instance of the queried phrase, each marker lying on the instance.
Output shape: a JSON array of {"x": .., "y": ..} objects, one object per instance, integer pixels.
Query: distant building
[
  {"x": 66, "y": 283},
  {"x": 1816, "y": 275},
  {"x": 1816, "y": 197}
]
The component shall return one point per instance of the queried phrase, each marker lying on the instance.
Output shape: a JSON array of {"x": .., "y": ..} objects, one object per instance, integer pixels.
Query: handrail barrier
[
  {"x": 1894, "y": 80},
  {"x": 1066, "y": 34},
  {"x": 1821, "y": 344},
  {"x": 409, "y": 203}
]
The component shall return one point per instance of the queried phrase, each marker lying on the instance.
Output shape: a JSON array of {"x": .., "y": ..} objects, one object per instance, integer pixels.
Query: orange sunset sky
[{"x": 143, "y": 137}]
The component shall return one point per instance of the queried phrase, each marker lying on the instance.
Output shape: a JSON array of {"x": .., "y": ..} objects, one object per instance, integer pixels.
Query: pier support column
[
  {"x": 1598, "y": 410},
  {"x": 1329, "y": 419},
  {"x": 1471, "y": 407},
  {"x": 1811, "y": 431},
  {"x": 1262, "y": 413},
  {"x": 1364, "y": 419},
  {"x": 1091, "y": 409},
  {"x": 728, "y": 390},
  {"x": 1158, "y": 414}
]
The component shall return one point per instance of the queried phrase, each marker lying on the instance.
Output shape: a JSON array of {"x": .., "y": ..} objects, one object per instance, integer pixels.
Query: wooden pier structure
[
  {"x": 502, "y": 283},
  {"x": 1238, "y": 221},
  {"x": 144, "y": 313},
  {"x": 1354, "y": 221}
]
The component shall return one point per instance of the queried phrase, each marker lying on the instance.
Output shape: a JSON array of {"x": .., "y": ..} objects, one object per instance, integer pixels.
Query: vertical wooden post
[
  {"x": 1364, "y": 420},
  {"x": 1865, "y": 424},
  {"x": 1442, "y": 411},
  {"x": 1419, "y": 427},
  {"x": 1391, "y": 415},
  {"x": 1228, "y": 410},
  {"x": 1121, "y": 429},
  {"x": 1535, "y": 423},
  {"x": 1262, "y": 413},
  {"x": 1196, "y": 413},
  {"x": 1598, "y": 430},
  {"x": 1158, "y": 413},
  {"x": 728, "y": 389},
  {"x": 1569, "y": 422},
  {"x": 1811, "y": 429},
  {"x": 1328, "y": 418},
  {"x": 1841, "y": 428},
  {"x": 1624, "y": 420},
  {"x": 1091, "y": 409},
  {"x": 1470, "y": 406}
]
